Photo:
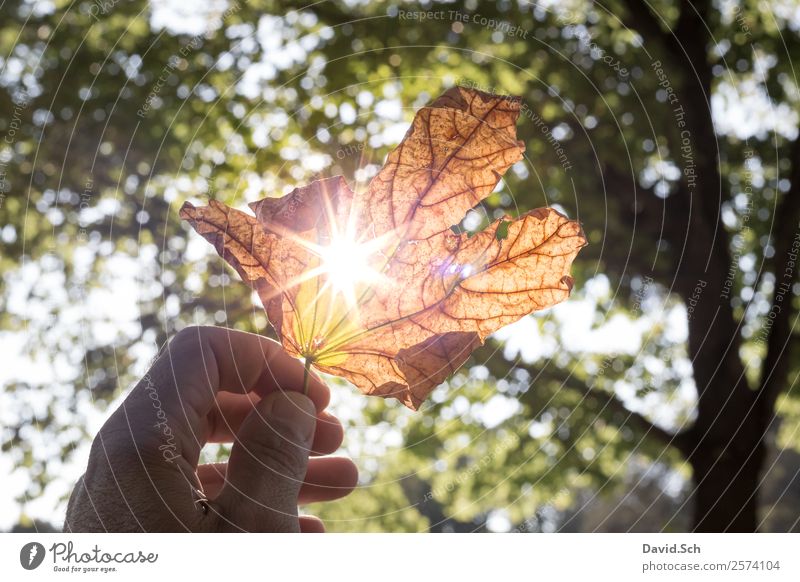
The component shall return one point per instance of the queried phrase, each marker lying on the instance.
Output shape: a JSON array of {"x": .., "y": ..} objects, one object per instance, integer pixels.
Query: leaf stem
[{"x": 306, "y": 374}]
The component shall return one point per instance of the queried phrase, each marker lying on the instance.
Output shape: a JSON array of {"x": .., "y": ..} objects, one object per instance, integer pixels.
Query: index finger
[
  {"x": 180, "y": 389},
  {"x": 202, "y": 361}
]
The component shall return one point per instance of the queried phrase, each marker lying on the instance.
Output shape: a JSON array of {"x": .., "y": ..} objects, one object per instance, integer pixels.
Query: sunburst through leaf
[{"x": 374, "y": 286}]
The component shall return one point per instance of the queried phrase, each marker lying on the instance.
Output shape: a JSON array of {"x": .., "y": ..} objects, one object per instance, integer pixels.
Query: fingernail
[{"x": 297, "y": 411}]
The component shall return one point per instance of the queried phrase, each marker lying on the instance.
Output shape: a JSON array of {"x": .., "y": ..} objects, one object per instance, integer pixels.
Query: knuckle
[
  {"x": 114, "y": 448},
  {"x": 193, "y": 340},
  {"x": 107, "y": 445},
  {"x": 190, "y": 334}
]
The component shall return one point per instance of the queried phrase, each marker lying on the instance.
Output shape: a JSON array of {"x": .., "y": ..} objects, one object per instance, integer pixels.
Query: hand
[{"x": 214, "y": 385}]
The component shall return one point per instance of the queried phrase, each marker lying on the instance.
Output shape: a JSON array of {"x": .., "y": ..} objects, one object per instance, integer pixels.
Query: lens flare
[
  {"x": 349, "y": 269},
  {"x": 346, "y": 263}
]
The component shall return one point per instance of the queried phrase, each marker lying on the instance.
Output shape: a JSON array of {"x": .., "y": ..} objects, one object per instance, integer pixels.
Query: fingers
[
  {"x": 228, "y": 414},
  {"x": 205, "y": 360},
  {"x": 267, "y": 464},
  {"x": 212, "y": 478},
  {"x": 326, "y": 479},
  {"x": 196, "y": 367},
  {"x": 329, "y": 435},
  {"x": 230, "y": 410},
  {"x": 311, "y": 524}
]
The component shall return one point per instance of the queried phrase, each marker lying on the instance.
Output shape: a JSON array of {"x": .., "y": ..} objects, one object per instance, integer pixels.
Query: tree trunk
[
  {"x": 726, "y": 445},
  {"x": 726, "y": 476}
]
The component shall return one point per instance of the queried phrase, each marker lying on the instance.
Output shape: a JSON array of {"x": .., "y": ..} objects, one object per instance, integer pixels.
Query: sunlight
[
  {"x": 346, "y": 263},
  {"x": 350, "y": 259},
  {"x": 347, "y": 273}
]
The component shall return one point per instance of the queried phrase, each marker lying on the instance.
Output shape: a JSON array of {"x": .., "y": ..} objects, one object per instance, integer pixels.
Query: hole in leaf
[{"x": 502, "y": 231}]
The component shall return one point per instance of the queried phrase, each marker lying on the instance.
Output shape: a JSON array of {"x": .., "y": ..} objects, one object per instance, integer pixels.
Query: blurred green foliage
[{"x": 119, "y": 119}]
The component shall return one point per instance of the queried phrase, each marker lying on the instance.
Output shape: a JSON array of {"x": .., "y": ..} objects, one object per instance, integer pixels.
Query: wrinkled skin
[{"x": 214, "y": 385}]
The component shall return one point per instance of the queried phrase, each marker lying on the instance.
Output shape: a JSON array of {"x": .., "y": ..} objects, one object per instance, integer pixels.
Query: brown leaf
[{"x": 374, "y": 286}]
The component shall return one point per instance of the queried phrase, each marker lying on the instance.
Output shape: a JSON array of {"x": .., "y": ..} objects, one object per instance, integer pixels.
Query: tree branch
[
  {"x": 611, "y": 402},
  {"x": 419, "y": 495},
  {"x": 605, "y": 399}
]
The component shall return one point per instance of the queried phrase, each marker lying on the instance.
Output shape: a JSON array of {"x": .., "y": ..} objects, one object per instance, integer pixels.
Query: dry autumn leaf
[{"x": 374, "y": 286}]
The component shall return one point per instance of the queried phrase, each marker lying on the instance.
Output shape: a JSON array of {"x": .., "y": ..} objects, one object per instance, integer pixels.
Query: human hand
[{"x": 214, "y": 385}]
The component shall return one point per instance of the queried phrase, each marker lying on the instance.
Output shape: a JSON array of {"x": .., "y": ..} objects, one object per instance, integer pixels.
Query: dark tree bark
[{"x": 726, "y": 446}]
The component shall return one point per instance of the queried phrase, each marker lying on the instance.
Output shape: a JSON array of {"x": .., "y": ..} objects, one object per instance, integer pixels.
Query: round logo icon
[{"x": 31, "y": 555}]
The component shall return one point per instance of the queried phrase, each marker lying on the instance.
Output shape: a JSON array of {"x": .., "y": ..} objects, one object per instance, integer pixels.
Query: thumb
[{"x": 268, "y": 464}]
